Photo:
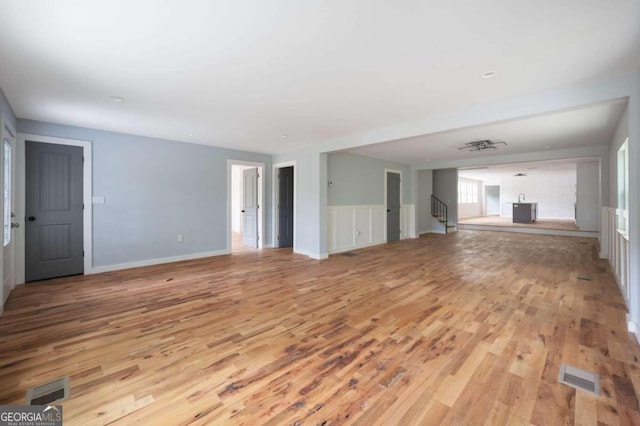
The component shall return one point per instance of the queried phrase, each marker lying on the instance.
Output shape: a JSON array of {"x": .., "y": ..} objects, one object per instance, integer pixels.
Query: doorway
[
  {"x": 245, "y": 213},
  {"x": 285, "y": 207},
  {"x": 393, "y": 202},
  {"x": 284, "y": 204},
  {"x": 492, "y": 200},
  {"x": 61, "y": 233}
]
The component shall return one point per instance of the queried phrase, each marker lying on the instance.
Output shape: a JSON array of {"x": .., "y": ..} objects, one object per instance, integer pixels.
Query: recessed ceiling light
[
  {"x": 116, "y": 98},
  {"x": 489, "y": 74},
  {"x": 188, "y": 134},
  {"x": 284, "y": 136}
]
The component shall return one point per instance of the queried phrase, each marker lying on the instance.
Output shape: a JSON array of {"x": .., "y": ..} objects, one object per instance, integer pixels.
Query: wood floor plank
[{"x": 465, "y": 328}]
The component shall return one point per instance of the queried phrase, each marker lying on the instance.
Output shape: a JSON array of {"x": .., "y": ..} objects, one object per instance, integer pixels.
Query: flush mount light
[
  {"x": 116, "y": 98},
  {"x": 519, "y": 175},
  {"x": 482, "y": 145},
  {"x": 489, "y": 74},
  {"x": 284, "y": 136},
  {"x": 188, "y": 134}
]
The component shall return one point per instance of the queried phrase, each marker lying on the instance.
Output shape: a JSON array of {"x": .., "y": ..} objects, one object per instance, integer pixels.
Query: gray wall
[
  {"x": 445, "y": 187},
  {"x": 424, "y": 189},
  {"x": 155, "y": 189},
  {"x": 6, "y": 110},
  {"x": 588, "y": 196},
  {"x": 621, "y": 134},
  {"x": 358, "y": 180}
]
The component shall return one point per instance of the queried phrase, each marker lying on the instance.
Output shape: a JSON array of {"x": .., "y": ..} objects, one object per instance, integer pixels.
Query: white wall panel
[
  {"x": 617, "y": 250},
  {"x": 353, "y": 227}
]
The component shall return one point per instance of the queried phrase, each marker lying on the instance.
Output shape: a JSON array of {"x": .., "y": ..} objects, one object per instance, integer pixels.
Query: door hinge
[
  {"x": 82, "y": 206},
  {"x": 82, "y": 253},
  {"x": 257, "y": 174}
]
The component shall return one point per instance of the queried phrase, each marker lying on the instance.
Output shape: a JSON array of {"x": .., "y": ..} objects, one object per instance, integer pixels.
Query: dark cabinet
[{"x": 525, "y": 212}]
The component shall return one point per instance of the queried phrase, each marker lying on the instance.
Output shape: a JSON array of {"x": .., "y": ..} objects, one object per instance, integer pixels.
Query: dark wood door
[
  {"x": 285, "y": 207},
  {"x": 54, "y": 223}
]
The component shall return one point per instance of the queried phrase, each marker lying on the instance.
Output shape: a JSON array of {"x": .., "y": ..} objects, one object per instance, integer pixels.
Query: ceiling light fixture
[
  {"x": 489, "y": 74},
  {"x": 116, "y": 98},
  {"x": 188, "y": 134},
  {"x": 519, "y": 175},
  {"x": 482, "y": 145},
  {"x": 284, "y": 136}
]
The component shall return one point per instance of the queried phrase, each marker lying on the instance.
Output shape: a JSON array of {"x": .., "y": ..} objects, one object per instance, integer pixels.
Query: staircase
[{"x": 440, "y": 211}]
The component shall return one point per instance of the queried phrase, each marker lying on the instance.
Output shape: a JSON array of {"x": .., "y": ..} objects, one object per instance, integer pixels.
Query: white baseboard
[
  {"x": 158, "y": 261},
  {"x": 361, "y": 246},
  {"x": 317, "y": 256}
]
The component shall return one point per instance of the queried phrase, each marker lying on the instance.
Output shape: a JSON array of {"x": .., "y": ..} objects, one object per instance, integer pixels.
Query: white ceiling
[
  {"x": 590, "y": 126},
  {"x": 239, "y": 74},
  {"x": 494, "y": 173}
]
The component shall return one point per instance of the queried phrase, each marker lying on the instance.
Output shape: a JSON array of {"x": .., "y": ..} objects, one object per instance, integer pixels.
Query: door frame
[
  {"x": 386, "y": 172},
  {"x": 87, "y": 185},
  {"x": 261, "y": 210},
  {"x": 6, "y": 126},
  {"x": 276, "y": 198}
]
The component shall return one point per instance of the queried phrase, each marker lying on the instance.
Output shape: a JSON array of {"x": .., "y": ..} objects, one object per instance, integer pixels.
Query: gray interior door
[
  {"x": 285, "y": 207},
  {"x": 250, "y": 207},
  {"x": 53, "y": 226},
  {"x": 393, "y": 206}
]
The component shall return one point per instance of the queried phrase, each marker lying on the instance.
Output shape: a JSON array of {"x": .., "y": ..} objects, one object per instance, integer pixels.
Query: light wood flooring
[
  {"x": 468, "y": 328},
  {"x": 554, "y": 224}
]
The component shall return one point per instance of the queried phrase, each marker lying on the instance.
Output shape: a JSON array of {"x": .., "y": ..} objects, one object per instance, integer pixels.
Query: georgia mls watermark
[{"x": 30, "y": 415}]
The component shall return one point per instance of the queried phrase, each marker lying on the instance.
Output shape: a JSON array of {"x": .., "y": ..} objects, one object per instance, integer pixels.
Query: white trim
[
  {"x": 87, "y": 185},
  {"x": 261, "y": 198},
  {"x": 10, "y": 136},
  {"x": 387, "y": 171},
  {"x": 276, "y": 191},
  {"x": 634, "y": 328},
  {"x": 316, "y": 256},
  {"x": 158, "y": 261}
]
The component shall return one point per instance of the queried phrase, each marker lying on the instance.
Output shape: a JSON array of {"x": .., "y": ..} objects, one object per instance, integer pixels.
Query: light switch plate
[{"x": 97, "y": 199}]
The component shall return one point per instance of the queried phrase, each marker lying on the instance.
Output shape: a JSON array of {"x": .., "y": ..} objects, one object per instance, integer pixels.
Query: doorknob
[
  {"x": 388, "y": 210},
  {"x": 31, "y": 218},
  {"x": 15, "y": 225},
  {"x": 242, "y": 211}
]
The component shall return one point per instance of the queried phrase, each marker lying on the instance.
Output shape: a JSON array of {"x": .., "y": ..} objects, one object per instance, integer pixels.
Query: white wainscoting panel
[
  {"x": 353, "y": 227},
  {"x": 615, "y": 247}
]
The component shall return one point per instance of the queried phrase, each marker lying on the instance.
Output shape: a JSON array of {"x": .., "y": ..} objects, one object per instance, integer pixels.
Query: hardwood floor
[{"x": 465, "y": 328}]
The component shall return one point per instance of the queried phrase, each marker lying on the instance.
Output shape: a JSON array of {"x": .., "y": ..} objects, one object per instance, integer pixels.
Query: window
[
  {"x": 7, "y": 193},
  {"x": 467, "y": 192},
  {"x": 623, "y": 188}
]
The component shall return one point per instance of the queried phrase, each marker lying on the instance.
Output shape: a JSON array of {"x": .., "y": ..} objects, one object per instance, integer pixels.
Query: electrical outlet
[{"x": 180, "y": 238}]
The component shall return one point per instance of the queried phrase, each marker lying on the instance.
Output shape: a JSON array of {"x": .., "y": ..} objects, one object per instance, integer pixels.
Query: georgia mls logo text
[{"x": 30, "y": 415}]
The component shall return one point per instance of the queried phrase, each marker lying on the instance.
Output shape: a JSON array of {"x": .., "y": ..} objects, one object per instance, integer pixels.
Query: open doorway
[
  {"x": 284, "y": 215},
  {"x": 245, "y": 206}
]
